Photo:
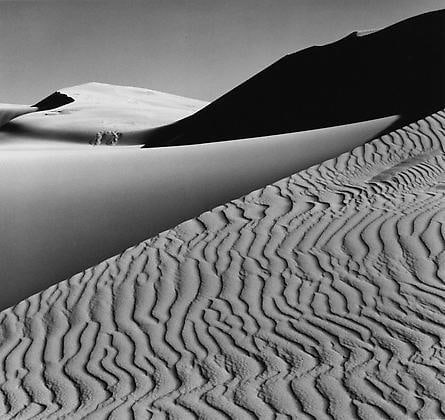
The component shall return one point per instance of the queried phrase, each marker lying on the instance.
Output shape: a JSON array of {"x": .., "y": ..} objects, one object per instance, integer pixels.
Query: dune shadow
[{"x": 55, "y": 100}]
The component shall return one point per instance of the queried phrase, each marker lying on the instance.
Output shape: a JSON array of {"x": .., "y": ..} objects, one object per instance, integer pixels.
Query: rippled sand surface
[{"x": 320, "y": 296}]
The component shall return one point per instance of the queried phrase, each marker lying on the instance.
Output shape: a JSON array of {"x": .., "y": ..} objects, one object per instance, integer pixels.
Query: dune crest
[{"x": 319, "y": 296}]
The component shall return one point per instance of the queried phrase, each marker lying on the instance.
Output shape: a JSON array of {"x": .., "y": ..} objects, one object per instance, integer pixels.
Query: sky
[{"x": 195, "y": 48}]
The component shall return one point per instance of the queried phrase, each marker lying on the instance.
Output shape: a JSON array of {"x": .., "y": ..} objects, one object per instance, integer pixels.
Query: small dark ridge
[{"x": 55, "y": 100}]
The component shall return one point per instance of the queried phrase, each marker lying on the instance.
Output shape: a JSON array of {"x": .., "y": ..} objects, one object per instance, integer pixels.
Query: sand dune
[
  {"x": 67, "y": 209},
  {"x": 318, "y": 297},
  {"x": 99, "y": 114},
  {"x": 322, "y": 86}
]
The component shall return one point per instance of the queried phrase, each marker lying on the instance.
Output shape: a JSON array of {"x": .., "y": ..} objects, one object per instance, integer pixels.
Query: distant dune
[
  {"x": 96, "y": 114},
  {"x": 67, "y": 207},
  {"x": 398, "y": 70},
  {"x": 318, "y": 297}
]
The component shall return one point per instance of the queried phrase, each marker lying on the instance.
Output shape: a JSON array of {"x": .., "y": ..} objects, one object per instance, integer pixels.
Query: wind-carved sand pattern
[{"x": 318, "y": 297}]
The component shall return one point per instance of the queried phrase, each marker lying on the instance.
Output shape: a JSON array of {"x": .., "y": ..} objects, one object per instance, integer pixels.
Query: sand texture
[{"x": 320, "y": 296}]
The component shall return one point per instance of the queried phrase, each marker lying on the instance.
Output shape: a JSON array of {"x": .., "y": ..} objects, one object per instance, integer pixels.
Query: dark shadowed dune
[{"x": 398, "y": 70}]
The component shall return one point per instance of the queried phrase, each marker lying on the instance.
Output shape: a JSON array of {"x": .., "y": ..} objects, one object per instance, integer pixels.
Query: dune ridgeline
[{"x": 397, "y": 70}]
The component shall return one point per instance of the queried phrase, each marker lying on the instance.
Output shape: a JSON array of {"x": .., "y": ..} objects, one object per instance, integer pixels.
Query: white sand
[
  {"x": 318, "y": 297},
  {"x": 67, "y": 209},
  {"x": 101, "y": 113}
]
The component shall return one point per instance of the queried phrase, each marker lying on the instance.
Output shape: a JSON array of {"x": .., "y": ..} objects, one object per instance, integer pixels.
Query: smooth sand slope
[
  {"x": 66, "y": 209},
  {"x": 318, "y": 297},
  {"x": 92, "y": 113},
  {"x": 322, "y": 86},
  {"x": 10, "y": 111}
]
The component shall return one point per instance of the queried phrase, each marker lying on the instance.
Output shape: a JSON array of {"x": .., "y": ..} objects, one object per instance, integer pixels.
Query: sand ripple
[{"x": 318, "y": 297}]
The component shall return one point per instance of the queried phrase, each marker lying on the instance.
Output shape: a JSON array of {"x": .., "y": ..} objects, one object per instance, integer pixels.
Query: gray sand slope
[{"x": 318, "y": 297}]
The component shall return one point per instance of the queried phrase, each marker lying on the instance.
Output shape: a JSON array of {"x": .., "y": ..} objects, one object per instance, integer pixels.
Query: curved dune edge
[
  {"x": 320, "y": 296},
  {"x": 69, "y": 209},
  {"x": 10, "y": 111}
]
